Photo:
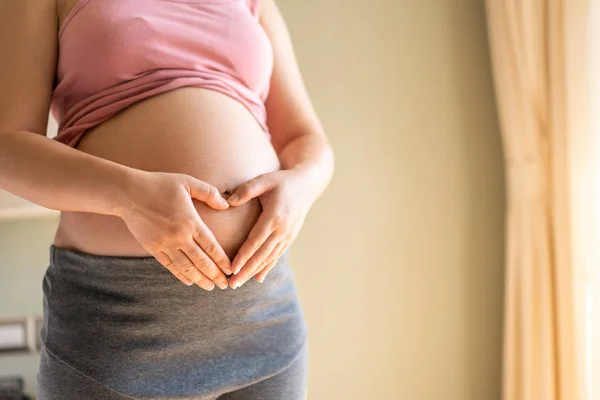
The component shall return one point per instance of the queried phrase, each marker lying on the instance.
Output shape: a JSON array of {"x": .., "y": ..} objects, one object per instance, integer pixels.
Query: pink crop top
[{"x": 113, "y": 53}]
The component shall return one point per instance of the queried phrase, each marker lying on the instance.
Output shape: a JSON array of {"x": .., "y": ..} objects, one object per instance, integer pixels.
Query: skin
[{"x": 169, "y": 211}]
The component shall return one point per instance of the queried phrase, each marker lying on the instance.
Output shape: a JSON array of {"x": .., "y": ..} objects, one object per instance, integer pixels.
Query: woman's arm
[
  {"x": 306, "y": 158},
  {"x": 33, "y": 166},
  {"x": 157, "y": 207},
  {"x": 297, "y": 133}
]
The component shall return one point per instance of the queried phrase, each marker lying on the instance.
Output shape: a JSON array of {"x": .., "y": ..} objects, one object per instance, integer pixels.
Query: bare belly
[{"x": 189, "y": 130}]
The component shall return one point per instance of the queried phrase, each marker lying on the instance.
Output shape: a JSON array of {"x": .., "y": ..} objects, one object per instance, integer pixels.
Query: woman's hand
[
  {"x": 285, "y": 201},
  {"x": 161, "y": 216}
]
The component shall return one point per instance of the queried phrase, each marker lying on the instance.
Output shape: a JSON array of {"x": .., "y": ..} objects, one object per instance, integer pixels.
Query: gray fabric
[
  {"x": 289, "y": 384},
  {"x": 120, "y": 327}
]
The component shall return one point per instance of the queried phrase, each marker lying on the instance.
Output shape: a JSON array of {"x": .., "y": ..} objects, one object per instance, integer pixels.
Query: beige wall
[
  {"x": 24, "y": 257},
  {"x": 399, "y": 265}
]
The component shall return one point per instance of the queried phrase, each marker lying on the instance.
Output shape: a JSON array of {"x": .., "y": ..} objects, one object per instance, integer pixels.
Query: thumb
[
  {"x": 206, "y": 193},
  {"x": 251, "y": 189}
]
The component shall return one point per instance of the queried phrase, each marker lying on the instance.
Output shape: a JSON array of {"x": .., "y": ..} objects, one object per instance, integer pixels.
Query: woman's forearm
[
  {"x": 59, "y": 177},
  {"x": 312, "y": 155}
]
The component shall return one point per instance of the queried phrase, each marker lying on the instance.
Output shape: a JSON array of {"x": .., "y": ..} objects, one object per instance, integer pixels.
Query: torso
[{"x": 200, "y": 132}]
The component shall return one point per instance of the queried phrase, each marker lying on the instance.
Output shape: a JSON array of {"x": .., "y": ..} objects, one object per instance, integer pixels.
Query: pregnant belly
[{"x": 188, "y": 130}]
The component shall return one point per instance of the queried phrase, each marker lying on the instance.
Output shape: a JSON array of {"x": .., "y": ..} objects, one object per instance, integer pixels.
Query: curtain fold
[{"x": 540, "y": 57}]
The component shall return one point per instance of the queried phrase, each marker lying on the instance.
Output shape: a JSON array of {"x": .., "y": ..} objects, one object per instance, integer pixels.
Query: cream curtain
[{"x": 541, "y": 58}]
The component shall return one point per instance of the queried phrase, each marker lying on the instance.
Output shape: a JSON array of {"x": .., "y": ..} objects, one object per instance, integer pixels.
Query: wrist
[{"x": 120, "y": 198}]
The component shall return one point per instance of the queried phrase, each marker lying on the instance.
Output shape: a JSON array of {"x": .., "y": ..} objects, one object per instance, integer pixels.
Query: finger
[
  {"x": 258, "y": 235},
  {"x": 208, "y": 242},
  {"x": 205, "y": 265},
  {"x": 260, "y": 277},
  {"x": 166, "y": 262},
  {"x": 255, "y": 261},
  {"x": 271, "y": 261},
  {"x": 251, "y": 189},
  {"x": 206, "y": 193},
  {"x": 189, "y": 270}
]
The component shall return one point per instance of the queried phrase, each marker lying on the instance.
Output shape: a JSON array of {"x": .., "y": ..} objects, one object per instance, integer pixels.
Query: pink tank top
[{"x": 113, "y": 53}]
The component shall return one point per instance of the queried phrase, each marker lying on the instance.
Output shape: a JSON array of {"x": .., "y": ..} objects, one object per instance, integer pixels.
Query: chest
[{"x": 123, "y": 39}]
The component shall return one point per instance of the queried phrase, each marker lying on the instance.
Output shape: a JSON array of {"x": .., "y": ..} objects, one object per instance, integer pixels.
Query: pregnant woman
[{"x": 187, "y": 157}]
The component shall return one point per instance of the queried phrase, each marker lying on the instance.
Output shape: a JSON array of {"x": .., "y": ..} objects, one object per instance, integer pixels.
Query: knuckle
[
  {"x": 277, "y": 219},
  {"x": 246, "y": 188},
  {"x": 252, "y": 265},
  {"x": 203, "y": 265},
  {"x": 199, "y": 280},
  {"x": 170, "y": 267},
  {"x": 270, "y": 266},
  {"x": 194, "y": 256},
  {"x": 154, "y": 247},
  {"x": 187, "y": 269},
  {"x": 255, "y": 246},
  {"x": 186, "y": 178},
  {"x": 262, "y": 265},
  {"x": 177, "y": 232},
  {"x": 182, "y": 176},
  {"x": 222, "y": 261},
  {"x": 212, "y": 191},
  {"x": 268, "y": 261},
  {"x": 265, "y": 258},
  {"x": 199, "y": 232},
  {"x": 251, "y": 246},
  {"x": 281, "y": 221},
  {"x": 186, "y": 226},
  {"x": 256, "y": 260},
  {"x": 162, "y": 241},
  {"x": 172, "y": 231},
  {"x": 210, "y": 248}
]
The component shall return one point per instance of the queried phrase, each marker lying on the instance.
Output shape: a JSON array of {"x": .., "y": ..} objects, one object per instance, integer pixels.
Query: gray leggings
[
  {"x": 287, "y": 384},
  {"x": 124, "y": 328},
  {"x": 66, "y": 383}
]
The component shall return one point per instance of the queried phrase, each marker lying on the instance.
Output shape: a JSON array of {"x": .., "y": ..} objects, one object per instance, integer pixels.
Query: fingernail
[
  {"x": 224, "y": 202},
  {"x": 224, "y": 285},
  {"x": 189, "y": 283},
  {"x": 233, "y": 198}
]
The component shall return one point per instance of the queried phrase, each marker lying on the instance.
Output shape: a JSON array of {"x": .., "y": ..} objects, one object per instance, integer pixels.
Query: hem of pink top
[{"x": 73, "y": 139}]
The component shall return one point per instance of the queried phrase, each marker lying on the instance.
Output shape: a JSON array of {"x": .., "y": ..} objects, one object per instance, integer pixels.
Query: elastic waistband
[
  {"x": 111, "y": 266},
  {"x": 79, "y": 262}
]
